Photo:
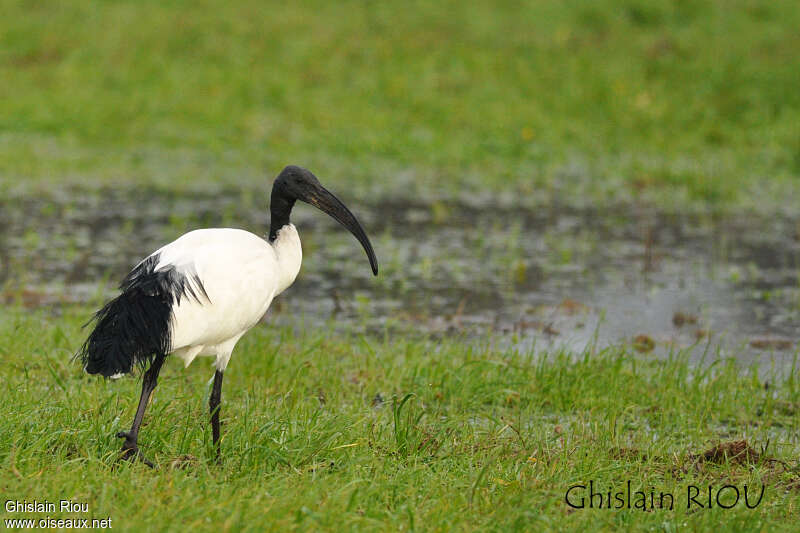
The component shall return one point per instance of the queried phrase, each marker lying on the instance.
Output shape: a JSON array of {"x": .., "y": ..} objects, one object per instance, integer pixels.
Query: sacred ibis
[{"x": 199, "y": 294}]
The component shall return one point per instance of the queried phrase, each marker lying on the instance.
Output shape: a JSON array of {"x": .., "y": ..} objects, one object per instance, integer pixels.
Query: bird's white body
[{"x": 241, "y": 273}]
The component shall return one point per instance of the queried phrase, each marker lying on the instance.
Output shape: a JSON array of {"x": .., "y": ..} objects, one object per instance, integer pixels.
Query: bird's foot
[
  {"x": 130, "y": 450},
  {"x": 217, "y": 455}
]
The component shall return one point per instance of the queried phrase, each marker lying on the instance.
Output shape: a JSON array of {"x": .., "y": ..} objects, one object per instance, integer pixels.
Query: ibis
[{"x": 198, "y": 295}]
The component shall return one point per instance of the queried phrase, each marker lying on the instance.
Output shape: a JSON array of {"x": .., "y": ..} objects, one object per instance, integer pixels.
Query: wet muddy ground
[{"x": 545, "y": 277}]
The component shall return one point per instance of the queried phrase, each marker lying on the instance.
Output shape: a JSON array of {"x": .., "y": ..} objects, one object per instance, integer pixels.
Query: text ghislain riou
[
  {"x": 589, "y": 496},
  {"x": 45, "y": 506}
]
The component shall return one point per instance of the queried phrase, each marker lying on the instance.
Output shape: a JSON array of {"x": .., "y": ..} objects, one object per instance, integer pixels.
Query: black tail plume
[
  {"x": 130, "y": 329},
  {"x": 135, "y": 326}
]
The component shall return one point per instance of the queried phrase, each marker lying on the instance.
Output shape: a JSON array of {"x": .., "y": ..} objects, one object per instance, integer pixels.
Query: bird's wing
[
  {"x": 172, "y": 281},
  {"x": 221, "y": 282}
]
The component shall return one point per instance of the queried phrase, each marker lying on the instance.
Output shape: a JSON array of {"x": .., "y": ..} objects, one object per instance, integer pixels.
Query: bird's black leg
[
  {"x": 213, "y": 405},
  {"x": 130, "y": 449}
]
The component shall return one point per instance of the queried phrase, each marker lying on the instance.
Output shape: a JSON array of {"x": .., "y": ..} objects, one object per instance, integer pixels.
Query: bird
[{"x": 198, "y": 295}]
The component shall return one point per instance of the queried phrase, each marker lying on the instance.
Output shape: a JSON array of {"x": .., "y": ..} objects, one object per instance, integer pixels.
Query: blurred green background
[{"x": 603, "y": 101}]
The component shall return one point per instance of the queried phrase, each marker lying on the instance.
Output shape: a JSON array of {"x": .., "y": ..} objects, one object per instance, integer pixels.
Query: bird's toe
[
  {"x": 132, "y": 454},
  {"x": 130, "y": 450}
]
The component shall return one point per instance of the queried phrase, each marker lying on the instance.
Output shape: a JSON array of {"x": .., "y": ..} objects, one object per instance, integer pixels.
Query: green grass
[
  {"x": 466, "y": 437},
  {"x": 582, "y": 101}
]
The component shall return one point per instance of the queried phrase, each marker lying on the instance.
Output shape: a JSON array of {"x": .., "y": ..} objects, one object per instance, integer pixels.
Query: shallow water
[{"x": 546, "y": 277}]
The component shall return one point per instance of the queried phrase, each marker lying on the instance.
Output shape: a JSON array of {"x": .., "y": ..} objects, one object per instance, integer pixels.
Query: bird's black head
[{"x": 295, "y": 183}]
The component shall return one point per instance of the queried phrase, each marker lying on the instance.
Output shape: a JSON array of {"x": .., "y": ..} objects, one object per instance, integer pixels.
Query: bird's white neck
[{"x": 290, "y": 255}]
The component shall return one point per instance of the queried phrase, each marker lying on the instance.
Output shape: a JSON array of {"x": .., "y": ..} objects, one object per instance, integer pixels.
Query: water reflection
[{"x": 554, "y": 276}]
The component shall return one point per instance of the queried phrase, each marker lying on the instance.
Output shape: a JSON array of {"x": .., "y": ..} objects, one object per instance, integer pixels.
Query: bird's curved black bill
[{"x": 325, "y": 201}]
